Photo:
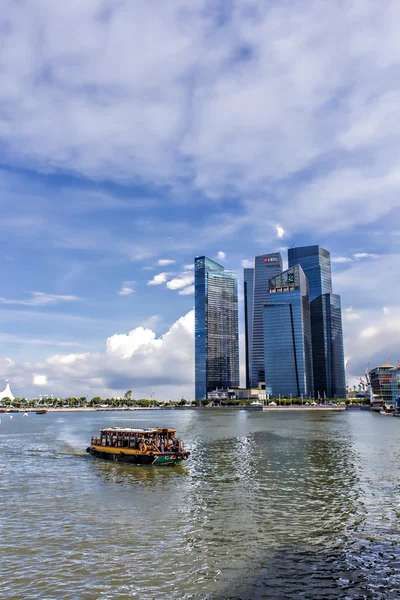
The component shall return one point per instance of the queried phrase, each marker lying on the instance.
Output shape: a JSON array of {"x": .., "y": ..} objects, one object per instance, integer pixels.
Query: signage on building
[{"x": 271, "y": 259}]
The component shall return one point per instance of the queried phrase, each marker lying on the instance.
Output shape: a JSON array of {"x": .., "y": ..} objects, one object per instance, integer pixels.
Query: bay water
[{"x": 270, "y": 505}]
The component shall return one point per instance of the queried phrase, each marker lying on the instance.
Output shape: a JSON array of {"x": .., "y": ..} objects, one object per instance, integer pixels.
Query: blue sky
[{"x": 137, "y": 135}]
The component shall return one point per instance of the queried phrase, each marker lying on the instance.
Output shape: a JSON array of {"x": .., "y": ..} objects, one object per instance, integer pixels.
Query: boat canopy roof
[{"x": 143, "y": 430}]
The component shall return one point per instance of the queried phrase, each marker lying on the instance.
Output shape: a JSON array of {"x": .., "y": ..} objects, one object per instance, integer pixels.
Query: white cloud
[
  {"x": 158, "y": 279},
  {"x": 187, "y": 291},
  {"x": 189, "y": 267},
  {"x": 182, "y": 281},
  {"x": 139, "y": 360},
  {"x": 65, "y": 359},
  {"x": 127, "y": 288},
  {"x": 221, "y": 255},
  {"x": 40, "y": 299},
  {"x": 247, "y": 263},
  {"x": 280, "y": 232},
  {"x": 341, "y": 259},
  {"x": 255, "y": 90},
  {"x": 369, "y": 332},
  {"x": 165, "y": 261},
  {"x": 126, "y": 291},
  {"x": 349, "y": 314},
  {"x": 39, "y": 379},
  {"x": 125, "y": 346},
  {"x": 361, "y": 255}
]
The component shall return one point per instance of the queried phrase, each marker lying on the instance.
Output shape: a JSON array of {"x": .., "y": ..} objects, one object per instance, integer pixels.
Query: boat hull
[{"x": 136, "y": 457}]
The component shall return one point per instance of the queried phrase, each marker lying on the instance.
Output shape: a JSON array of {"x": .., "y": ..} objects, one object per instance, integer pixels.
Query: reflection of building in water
[{"x": 385, "y": 384}]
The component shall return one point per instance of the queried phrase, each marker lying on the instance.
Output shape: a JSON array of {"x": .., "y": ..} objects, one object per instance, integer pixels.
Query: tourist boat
[
  {"x": 157, "y": 446},
  {"x": 41, "y": 411}
]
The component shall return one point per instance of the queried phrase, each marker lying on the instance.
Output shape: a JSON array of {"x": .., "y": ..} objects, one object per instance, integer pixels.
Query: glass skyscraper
[
  {"x": 316, "y": 264},
  {"x": 216, "y": 327},
  {"x": 248, "y": 277},
  {"x": 326, "y": 321},
  {"x": 266, "y": 266},
  {"x": 327, "y": 341},
  {"x": 287, "y": 335}
]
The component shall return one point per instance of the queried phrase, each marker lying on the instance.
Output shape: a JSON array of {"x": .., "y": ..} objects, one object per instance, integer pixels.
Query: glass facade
[
  {"x": 266, "y": 266},
  {"x": 327, "y": 343},
  {"x": 385, "y": 383},
  {"x": 326, "y": 321},
  {"x": 216, "y": 327},
  {"x": 287, "y": 335},
  {"x": 316, "y": 264},
  {"x": 248, "y": 279}
]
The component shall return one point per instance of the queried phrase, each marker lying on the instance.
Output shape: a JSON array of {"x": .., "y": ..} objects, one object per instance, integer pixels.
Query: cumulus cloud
[
  {"x": 165, "y": 261},
  {"x": 158, "y": 279},
  {"x": 221, "y": 255},
  {"x": 138, "y": 360},
  {"x": 39, "y": 379},
  {"x": 40, "y": 299},
  {"x": 182, "y": 281},
  {"x": 280, "y": 232},
  {"x": 125, "y": 346},
  {"x": 247, "y": 263},
  {"x": 127, "y": 288},
  {"x": 349, "y": 314},
  {"x": 256, "y": 90},
  {"x": 187, "y": 291}
]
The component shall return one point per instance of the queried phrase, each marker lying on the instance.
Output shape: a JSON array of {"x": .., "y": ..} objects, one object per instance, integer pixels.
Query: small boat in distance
[
  {"x": 157, "y": 446},
  {"x": 41, "y": 411},
  {"x": 387, "y": 411}
]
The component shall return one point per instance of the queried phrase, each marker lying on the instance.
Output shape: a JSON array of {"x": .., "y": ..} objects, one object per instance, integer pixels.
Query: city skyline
[{"x": 150, "y": 137}]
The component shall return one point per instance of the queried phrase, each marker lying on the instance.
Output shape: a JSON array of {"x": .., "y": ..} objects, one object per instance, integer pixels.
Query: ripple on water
[{"x": 268, "y": 506}]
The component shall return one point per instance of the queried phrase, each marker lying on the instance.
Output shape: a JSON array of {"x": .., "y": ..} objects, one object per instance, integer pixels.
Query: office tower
[
  {"x": 266, "y": 266},
  {"x": 327, "y": 342},
  {"x": 326, "y": 321},
  {"x": 248, "y": 277},
  {"x": 316, "y": 264},
  {"x": 216, "y": 327},
  {"x": 287, "y": 335}
]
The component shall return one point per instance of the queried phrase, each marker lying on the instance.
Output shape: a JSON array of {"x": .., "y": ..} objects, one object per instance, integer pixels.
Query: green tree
[{"x": 128, "y": 395}]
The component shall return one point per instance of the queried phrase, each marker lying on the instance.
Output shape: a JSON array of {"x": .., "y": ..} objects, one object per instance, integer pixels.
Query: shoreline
[{"x": 140, "y": 408}]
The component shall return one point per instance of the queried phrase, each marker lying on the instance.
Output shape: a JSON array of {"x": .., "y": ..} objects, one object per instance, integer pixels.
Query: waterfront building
[
  {"x": 266, "y": 266},
  {"x": 6, "y": 393},
  {"x": 385, "y": 384},
  {"x": 327, "y": 346},
  {"x": 287, "y": 335},
  {"x": 326, "y": 321},
  {"x": 248, "y": 281},
  {"x": 316, "y": 264},
  {"x": 216, "y": 327}
]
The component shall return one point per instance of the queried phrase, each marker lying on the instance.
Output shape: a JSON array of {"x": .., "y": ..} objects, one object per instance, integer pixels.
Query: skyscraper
[
  {"x": 216, "y": 327},
  {"x": 316, "y": 264},
  {"x": 266, "y": 266},
  {"x": 327, "y": 341},
  {"x": 326, "y": 321},
  {"x": 248, "y": 279},
  {"x": 287, "y": 335}
]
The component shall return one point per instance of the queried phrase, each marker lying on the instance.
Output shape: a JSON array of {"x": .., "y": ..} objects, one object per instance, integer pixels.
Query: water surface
[{"x": 270, "y": 505}]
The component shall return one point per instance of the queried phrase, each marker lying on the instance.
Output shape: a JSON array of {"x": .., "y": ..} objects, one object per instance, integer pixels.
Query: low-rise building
[{"x": 385, "y": 384}]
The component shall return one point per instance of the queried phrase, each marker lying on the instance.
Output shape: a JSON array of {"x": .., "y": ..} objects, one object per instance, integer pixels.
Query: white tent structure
[{"x": 7, "y": 393}]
